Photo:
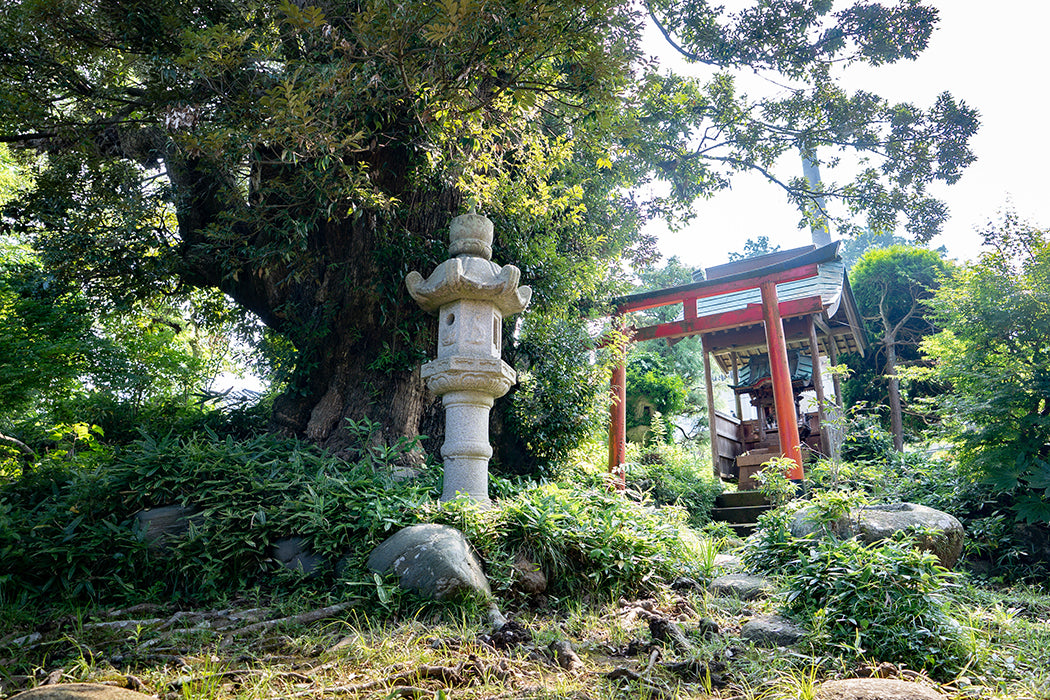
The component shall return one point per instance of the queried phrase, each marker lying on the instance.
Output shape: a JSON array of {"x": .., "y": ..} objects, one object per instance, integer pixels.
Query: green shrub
[
  {"x": 675, "y": 475},
  {"x": 559, "y": 401},
  {"x": 774, "y": 483},
  {"x": 67, "y": 528},
  {"x": 884, "y": 601},
  {"x": 772, "y": 546},
  {"x": 650, "y": 379},
  {"x": 992, "y": 351},
  {"x": 61, "y": 535},
  {"x": 936, "y": 479},
  {"x": 589, "y": 542},
  {"x": 866, "y": 438}
]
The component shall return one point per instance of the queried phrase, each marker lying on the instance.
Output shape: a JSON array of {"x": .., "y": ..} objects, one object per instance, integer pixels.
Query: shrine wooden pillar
[
  {"x": 736, "y": 380},
  {"x": 818, "y": 383},
  {"x": 836, "y": 382},
  {"x": 780, "y": 371},
  {"x": 712, "y": 419}
]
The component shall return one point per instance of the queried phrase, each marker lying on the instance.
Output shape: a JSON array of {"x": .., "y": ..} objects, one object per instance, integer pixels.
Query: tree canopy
[
  {"x": 45, "y": 333},
  {"x": 754, "y": 247},
  {"x": 994, "y": 351},
  {"x": 303, "y": 156},
  {"x": 892, "y": 286}
]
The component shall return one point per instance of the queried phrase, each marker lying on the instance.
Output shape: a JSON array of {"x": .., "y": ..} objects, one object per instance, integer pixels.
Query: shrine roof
[
  {"x": 808, "y": 256},
  {"x": 756, "y": 371},
  {"x": 807, "y": 279}
]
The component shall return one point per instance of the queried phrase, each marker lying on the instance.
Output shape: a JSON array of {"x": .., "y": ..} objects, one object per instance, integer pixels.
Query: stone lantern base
[{"x": 467, "y": 386}]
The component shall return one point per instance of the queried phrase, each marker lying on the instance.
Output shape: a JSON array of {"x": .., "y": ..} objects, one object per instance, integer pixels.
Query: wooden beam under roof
[
  {"x": 746, "y": 342},
  {"x": 727, "y": 321}
]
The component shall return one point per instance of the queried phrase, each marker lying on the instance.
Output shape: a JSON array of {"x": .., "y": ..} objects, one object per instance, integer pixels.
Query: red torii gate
[{"x": 770, "y": 312}]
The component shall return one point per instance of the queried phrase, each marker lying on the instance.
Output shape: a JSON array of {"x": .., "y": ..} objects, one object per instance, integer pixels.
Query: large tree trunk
[
  {"x": 340, "y": 299},
  {"x": 360, "y": 353},
  {"x": 396, "y": 404}
]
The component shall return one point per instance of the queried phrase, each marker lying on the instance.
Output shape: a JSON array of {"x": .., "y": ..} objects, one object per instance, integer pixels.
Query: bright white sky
[{"x": 989, "y": 55}]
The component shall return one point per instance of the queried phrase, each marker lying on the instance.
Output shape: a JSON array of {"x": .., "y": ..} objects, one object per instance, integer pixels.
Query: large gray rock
[
  {"x": 80, "y": 691},
  {"x": 739, "y": 586},
  {"x": 878, "y": 522},
  {"x": 772, "y": 631},
  {"x": 876, "y": 689},
  {"x": 159, "y": 526},
  {"x": 433, "y": 560}
]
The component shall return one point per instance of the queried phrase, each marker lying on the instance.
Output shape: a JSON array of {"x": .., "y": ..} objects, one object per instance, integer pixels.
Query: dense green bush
[
  {"x": 242, "y": 415},
  {"x": 46, "y": 342},
  {"x": 650, "y": 379},
  {"x": 935, "y": 478},
  {"x": 772, "y": 546},
  {"x": 62, "y": 534},
  {"x": 67, "y": 532},
  {"x": 67, "y": 528},
  {"x": 588, "y": 541},
  {"x": 865, "y": 437},
  {"x": 993, "y": 352},
  {"x": 673, "y": 474},
  {"x": 559, "y": 401},
  {"x": 885, "y": 601}
]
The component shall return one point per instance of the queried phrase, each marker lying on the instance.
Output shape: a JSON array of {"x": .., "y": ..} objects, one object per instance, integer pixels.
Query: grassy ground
[
  {"x": 270, "y": 649},
  {"x": 369, "y": 640}
]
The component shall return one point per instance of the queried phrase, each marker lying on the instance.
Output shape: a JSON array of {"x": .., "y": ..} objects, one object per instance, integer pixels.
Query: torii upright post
[
  {"x": 618, "y": 412},
  {"x": 783, "y": 396}
]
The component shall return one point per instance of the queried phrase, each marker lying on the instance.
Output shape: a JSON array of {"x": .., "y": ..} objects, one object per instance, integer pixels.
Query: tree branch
[
  {"x": 21, "y": 138},
  {"x": 25, "y": 450},
  {"x": 674, "y": 44},
  {"x": 794, "y": 191}
]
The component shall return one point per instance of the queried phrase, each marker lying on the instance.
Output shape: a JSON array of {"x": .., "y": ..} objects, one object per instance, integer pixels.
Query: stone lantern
[{"x": 471, "y": 295}]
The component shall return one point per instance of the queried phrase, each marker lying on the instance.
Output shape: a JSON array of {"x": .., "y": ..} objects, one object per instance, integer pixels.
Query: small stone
[
  {"x": 685, "y": 583},
  {"x": 739, "y": 586},
  {"x": 294, "y": 553},
  {"x": 80, "y": 691},
  {"x": 727, "y": 562},
  {"x": 772, "y": 631},
  {"x": 530, "y": 579},
  {"x": 161, "y": 525},
  {"x": 435, "y": 561},
  {"x": 875, "y": 689},
  {"x": 707, "y": 628}
]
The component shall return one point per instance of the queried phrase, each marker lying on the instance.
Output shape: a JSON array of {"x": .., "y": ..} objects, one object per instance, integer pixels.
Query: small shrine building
[{"x": 766, "y": 322}]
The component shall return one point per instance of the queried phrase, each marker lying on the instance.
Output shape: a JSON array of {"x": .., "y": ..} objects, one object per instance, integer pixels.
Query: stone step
[
  {"x": 743, "y": 529},
  {"x": 736, "y": 499},
  {"x": 741, "y": 514}
]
